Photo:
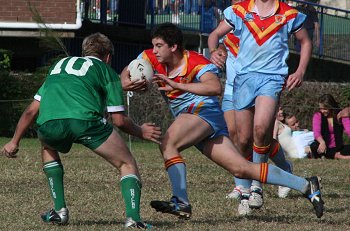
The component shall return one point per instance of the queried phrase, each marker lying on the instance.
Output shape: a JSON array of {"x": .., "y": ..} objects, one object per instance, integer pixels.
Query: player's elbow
[
  {"x": 119, "y": 120},
  {"x": 30, "y": 113},
  {"x": 216, "y": 90}
]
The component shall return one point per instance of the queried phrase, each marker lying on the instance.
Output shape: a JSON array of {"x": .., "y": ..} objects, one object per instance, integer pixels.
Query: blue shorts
[
  {"x": 249, "y": 86},
  {"x": 213, "y": 115},
  {"x": 230, "y": 77},
  {"x": 227, "y": 104}
]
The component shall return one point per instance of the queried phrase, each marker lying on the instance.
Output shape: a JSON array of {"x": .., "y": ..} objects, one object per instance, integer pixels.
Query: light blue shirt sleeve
[
  {"x": 298, "y": 22},
  {"x": 208, "y": 68}
]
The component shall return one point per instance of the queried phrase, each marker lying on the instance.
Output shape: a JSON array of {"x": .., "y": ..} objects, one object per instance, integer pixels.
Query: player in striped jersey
[{"x": 191, "y": 85}]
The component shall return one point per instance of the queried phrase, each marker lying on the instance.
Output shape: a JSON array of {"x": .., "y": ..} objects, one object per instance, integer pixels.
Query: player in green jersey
[{"x": 70, "y": 108}]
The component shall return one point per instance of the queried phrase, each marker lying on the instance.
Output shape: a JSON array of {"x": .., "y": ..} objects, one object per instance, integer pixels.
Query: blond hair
[{"x": 97, "y": 45}]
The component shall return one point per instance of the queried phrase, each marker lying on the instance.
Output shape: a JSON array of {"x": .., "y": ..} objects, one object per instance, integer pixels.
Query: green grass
[{"x": 95, "y": 203}]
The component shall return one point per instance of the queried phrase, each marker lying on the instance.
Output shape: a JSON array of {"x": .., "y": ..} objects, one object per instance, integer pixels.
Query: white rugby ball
[{"x": 140, "y": 69}]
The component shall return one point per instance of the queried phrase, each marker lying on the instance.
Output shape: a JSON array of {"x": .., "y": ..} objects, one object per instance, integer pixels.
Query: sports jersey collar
[
  {"x": 93, "y": 57},
  {"x": 183, "y": 66},
  {"x": 252, "y": 7},
  {"x": 184, "y": 70}
]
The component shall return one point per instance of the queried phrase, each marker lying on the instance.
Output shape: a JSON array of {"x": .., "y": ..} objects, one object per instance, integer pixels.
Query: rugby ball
[{"x": 140, "y": 69}]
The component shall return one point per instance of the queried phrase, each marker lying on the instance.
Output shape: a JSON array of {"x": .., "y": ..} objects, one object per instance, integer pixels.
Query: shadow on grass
[{"x": 93, "y": 223}]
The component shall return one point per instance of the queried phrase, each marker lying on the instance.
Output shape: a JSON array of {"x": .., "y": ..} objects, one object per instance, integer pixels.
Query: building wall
[{"x": 57, "y": 11}]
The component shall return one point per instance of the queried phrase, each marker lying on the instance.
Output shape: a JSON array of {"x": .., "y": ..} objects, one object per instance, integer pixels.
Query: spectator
[
  {"x": 302, "y": 138},
  {"x": 210, "y": 17},
  {"x": 328, "y": 131},
  {"x": 344, "y": 113},
  {"x": 86, "y": 9},
  {"x": 187, "y": 6},
  {"x": 311, "y": 23},
  {"x": 194, "y": 7},
  {"x": 283, "y": 133},
  {"x": 175, "y": 5}
]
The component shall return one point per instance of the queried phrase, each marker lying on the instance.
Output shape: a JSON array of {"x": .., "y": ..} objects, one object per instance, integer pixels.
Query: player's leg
[
  {"x": 244, "y": 126},
  {"x": 230, "y": 122},
  {"x": 278, "y": 158},
  {"x": 52, "y": 135},
  {"x": 241, "y": 191},
  {"x": 185, "y": 131},
  {"x": 54, "y": 172},
  {"x": 265, "y": 108},
  {"x": 115, "y": 151},
  {"x": 221, "y": 151}
]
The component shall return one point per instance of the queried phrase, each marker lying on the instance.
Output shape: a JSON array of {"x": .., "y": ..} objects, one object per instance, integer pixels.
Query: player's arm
[
  {"x": 296, "y": 79},
  {"x": 217, "y": 56},
  {"x": 275, "y": 130},
  {"x": 27, "y": 118},
  {"x": 209, "y": 84},
  {"x": 147, "y": 131}
]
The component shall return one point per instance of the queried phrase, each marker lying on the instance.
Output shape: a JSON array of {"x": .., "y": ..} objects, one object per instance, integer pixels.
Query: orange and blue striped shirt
[{"x": 195, "y": 66}]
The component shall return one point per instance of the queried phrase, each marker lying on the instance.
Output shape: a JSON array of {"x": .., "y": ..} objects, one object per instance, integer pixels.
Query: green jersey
[{"x": 79, "y": 88}]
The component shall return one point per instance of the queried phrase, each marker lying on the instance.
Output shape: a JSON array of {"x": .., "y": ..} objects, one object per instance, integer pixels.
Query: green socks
[
  {"x": 54, "y": 173},
  {"x": 130, "y": 187}
]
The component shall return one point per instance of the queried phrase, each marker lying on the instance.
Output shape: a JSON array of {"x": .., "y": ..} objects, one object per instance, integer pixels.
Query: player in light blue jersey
[{"x": 263, "y": 28}]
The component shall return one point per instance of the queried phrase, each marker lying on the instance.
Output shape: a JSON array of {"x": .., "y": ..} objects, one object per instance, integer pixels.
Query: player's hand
[
  {"x": 294, "y": 80},
  {"x": 136, "y": 85},
  {"x": 164, "y": 83},
  {"x": 218, "y": 58},
  {"x": 10, "y": 150},
  {"x": 151, "y": 132}
]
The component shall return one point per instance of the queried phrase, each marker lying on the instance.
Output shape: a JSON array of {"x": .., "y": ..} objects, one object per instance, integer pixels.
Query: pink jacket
[{"x": 316, "y": 127}]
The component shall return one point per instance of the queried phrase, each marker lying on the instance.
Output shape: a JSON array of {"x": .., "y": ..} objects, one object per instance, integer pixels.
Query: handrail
[
  {"x": 347, "y": 12},
  {"x": 334, "y": 24}
]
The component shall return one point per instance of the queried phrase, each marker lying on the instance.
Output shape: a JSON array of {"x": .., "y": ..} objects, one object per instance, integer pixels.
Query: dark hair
[
  {"x": 288, "y": 116},
  {"x": 170, "y": 33},
  {"x": 329, "y": 102},
  {"x": 97, "y": 45}
]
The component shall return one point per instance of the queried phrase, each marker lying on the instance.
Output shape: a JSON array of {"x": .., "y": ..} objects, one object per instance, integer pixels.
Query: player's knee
[
  {"x": 167, "y": 145},
  {"x": 242, "y": 170},
  {"x": 259, "y": 132},
  {"x": 238, "y": 172},
  {"x": 127, "y": 167},
  {"x": 243, "y": 142}
]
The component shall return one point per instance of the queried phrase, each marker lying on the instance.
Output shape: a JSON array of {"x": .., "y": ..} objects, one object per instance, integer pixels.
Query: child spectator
[
  {"x": 301, "y": 137},
  {"x": 294, "y": 142}
]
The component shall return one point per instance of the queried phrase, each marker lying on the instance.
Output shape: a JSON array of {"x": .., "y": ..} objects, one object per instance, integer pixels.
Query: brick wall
[{"x": 52, "y": 11}]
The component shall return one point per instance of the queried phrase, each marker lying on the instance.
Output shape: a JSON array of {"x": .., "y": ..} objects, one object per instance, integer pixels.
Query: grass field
[{"x": 95, "y": 203}]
